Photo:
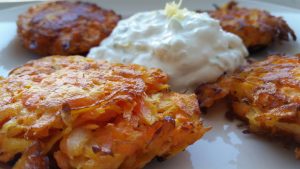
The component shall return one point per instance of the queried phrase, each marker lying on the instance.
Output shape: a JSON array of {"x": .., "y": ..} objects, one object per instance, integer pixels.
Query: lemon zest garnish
[{"x": 173, "y": 11}]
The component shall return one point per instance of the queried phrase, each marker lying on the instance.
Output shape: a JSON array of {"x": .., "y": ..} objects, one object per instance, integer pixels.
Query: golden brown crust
[
  {"x": 92, "y": 113},
  {"x": 64, "y": 27},
  {"x": 270, "y": 85},
  {"x": 265, "y": 94},
  {"x": 257, "y": 28}
]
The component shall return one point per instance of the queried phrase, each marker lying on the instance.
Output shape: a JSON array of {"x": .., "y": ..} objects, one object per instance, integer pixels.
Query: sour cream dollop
[{"x": 190, "y": 47}]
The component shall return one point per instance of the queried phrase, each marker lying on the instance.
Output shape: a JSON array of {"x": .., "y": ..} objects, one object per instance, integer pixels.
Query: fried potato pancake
[
  {"x": 93, "y": 114},
  {"x": 64, "y": 27},
  {"x": 257, "y": 28},
  {"x": 266, "y": 94}
]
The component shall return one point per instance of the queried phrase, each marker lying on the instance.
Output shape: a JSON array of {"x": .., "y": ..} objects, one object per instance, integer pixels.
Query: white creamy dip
[{"x": 190, "y": 47}]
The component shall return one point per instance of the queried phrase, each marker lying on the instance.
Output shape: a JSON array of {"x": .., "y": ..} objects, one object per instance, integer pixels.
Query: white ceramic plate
[{"x": 225, "y": 146}]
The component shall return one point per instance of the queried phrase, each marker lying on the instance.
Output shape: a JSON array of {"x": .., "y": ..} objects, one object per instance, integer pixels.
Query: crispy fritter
[
  {"x": 92, "y": 114},
  {"x": 257, "y": 28},
  {"x": 266, "y": 94},
  {"x": 64, "y": 27}
]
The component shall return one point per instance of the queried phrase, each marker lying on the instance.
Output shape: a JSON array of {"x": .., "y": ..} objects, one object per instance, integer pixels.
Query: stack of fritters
[
  {"x": 257, "y": 28},
  {"x": 92, "y": 114},
  {"x": 266, "y": 94}
]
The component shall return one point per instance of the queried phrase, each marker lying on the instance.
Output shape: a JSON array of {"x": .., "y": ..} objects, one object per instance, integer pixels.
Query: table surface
[{"x": 4, "y": 4}]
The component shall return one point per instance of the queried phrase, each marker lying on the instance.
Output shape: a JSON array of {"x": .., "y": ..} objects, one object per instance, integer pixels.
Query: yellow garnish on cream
[{"x": 173, "y": 11}]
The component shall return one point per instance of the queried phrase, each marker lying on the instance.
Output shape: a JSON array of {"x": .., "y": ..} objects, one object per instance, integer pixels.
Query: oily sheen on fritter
[
  {"x": 266, "y": 94},
  {"x": 65, "y": 27},
  {"x": 92, "y": 114},
  {"x": 257, "y": 28}
]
